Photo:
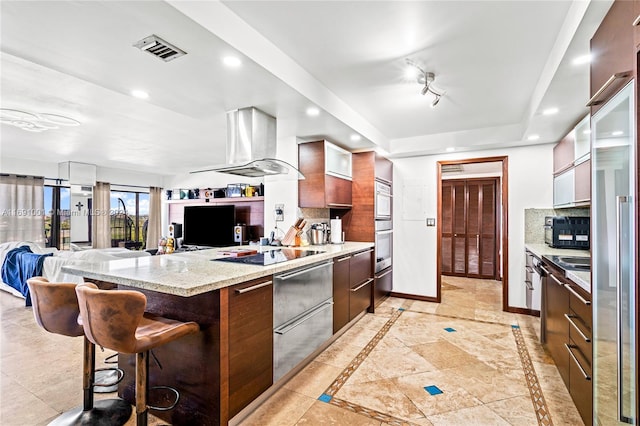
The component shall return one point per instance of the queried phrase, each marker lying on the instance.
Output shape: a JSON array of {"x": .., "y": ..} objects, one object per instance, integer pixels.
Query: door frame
[{"x": 502, "y": 227}]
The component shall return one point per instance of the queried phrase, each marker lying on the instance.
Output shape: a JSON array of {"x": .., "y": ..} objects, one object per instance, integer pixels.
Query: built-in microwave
[{"x": 383, "y": 200}]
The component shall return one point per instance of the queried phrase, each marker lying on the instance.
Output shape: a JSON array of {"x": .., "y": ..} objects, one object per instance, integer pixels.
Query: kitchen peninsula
[{"x": 231, "y": 361}]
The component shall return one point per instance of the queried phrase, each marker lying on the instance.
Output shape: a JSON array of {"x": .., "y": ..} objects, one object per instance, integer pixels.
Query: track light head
[{"x": 435, "y": 101}]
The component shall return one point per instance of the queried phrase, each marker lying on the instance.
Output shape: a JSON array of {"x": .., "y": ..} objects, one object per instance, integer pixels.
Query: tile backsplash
[{"x": 534, "y": 221}]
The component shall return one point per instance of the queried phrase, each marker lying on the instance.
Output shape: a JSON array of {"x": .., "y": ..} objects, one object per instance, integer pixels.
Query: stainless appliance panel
[
  {"x": 297, "y": 291},
  {"x": 383, "y": 249},
  {"x": 299, "y": 337},
  {"x": 383, "y": 201}
]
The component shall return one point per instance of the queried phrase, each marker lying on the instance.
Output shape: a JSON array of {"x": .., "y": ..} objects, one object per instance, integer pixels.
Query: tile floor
[{"x": 375, "y": 374}]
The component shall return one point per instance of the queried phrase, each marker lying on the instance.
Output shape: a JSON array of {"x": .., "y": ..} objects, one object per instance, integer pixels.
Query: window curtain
[
  {"x": 22, "y": 209},
  {"x": 101, "y": 223},
  {"x": 154, "y": 228}
]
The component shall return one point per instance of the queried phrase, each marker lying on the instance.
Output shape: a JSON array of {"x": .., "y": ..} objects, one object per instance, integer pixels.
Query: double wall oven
[{"x": 383, "y": 238}]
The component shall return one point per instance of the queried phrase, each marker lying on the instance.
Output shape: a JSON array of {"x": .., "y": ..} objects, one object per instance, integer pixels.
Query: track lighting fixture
[{"x": 426, "y": 79}]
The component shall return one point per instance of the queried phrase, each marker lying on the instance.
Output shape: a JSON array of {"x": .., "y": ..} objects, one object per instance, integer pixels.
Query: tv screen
[{"x": 210, "y": 226}]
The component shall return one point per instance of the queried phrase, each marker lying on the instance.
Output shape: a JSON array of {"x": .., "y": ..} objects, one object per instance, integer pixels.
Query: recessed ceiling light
[
  {"x": 231, "y": 61},
  {"x": 533, "y": 137},
  {"x": 313, "y": 112},
  {"x": 450, "y": 149},
  {"x": 356, "y": 137},
  {"x": 550, "y": 111},
  {"x": 586, "y": 132},
  {"x": 617, "y": 133},
  {"x": 580, "y": 60},
  {"x": 140, "y": 94}
]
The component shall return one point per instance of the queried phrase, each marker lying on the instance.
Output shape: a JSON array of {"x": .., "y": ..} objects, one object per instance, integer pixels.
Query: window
[
  {"x": 57, "y": 220},
  {"x": 129, "y": 217}
]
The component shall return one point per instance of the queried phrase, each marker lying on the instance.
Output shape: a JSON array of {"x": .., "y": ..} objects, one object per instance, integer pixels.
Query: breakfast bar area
[{"x": 233, "y": 359}]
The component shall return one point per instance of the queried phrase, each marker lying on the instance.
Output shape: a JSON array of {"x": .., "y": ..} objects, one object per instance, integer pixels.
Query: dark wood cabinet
[
  {"x": 341, "y": 290},
  {"x": 613, "y": 53},
  {"x": 360, "y": 282},
  {"x": 568, "y": 333},
  {"x": 250, "y": 342},
  {"x": 469, "y": 228},
  {"x": 563, "y": 153},
  {"x": 320, "y": 189},
  {"x": 382, "y": 286}
]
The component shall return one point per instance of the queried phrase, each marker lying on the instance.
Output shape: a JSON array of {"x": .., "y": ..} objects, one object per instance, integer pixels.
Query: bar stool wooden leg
[
  {"x": 88, "y": 365},
  {"x": 142, "y": 384}
]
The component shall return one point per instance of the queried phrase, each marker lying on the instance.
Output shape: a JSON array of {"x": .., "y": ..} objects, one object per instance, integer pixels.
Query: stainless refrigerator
[{"x": 614, "y": 257}]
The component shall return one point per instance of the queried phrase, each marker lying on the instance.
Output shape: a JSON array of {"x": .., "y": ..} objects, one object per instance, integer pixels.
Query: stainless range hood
[{"x": 251, "y": 146}]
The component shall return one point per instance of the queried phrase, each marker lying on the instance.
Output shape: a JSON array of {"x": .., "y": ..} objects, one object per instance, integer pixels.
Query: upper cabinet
[
  {"x": 612, "y": 53},
  {"x": 571, "y": 177},
  {"x": 327, "y": 169}
]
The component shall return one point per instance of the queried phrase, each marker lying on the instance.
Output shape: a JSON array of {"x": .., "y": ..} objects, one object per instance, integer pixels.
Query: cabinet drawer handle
[
  {"x": 546, "y": 272},
  {"x": 339, "y": 205},
  {"x": 362, "y": 285},
  {"x": 594, "y": 100},
  {"x": 383, "y": 275},
  {"x": 575, "y": 293},
  {"x": 342, "y": 259},
  {"x": 253, "y": 287},
  {"x": 556, "y": 280},
  {"x": 528, "y": 268},
  {"x": 303, "y": 271},
  {"x": 636, "y": 21},
  {"x": 362, "y": 252},
  {"x": 574, "y": 325},
  {"x": 584, "y": 373}
]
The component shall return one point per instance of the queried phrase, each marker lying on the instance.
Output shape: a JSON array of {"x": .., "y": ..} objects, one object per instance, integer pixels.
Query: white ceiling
[{"x": 500, "y": 64}]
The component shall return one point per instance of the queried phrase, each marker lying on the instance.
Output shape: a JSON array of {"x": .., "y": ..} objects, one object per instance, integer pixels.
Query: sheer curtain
[
  {"x": 101, "y": 224},
  {"x": 22, "y": 209},
  {"x": 155, "y": 210}
]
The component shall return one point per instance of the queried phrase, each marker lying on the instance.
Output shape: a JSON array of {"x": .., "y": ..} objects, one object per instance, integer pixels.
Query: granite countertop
[
  {"x": 191, "y": 273},
  {"x": 581, "y": 278}
]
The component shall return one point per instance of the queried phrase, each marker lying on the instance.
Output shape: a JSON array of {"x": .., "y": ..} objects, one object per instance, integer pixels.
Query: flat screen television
[{"x": 210, "y": 226}]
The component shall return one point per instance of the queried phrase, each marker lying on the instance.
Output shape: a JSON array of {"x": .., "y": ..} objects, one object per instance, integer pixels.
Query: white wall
[{"x": 530, "y": 183}]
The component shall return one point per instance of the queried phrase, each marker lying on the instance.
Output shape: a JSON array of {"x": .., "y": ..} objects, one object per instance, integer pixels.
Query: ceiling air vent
[
  {"x": 451, "y": 168},
  {"x": 159, "y": 48}
]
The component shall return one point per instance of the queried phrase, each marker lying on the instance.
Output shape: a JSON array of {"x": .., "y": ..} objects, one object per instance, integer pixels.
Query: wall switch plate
[
  {"x": 431, "y": 221},
  {"x": 279, "y": 212}
]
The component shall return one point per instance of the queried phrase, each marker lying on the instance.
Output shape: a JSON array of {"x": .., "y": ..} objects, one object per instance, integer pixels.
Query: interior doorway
[{"x": 471, "y": 243}]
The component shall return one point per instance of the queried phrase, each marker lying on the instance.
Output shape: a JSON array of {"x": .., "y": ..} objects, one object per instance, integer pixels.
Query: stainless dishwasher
[{"x": 302, "y": 314}]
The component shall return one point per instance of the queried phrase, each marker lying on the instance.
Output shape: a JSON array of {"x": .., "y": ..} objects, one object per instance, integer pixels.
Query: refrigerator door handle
[{"x": 620, "y": 200}]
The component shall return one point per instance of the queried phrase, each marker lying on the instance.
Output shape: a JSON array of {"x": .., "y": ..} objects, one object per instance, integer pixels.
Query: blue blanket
[{"x": 20, "y": 265}]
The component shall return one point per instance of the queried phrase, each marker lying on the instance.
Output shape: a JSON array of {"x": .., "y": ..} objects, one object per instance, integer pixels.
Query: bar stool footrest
[
  {"x": 101, "y": 377},
  {"x": 173, "y": 403}
]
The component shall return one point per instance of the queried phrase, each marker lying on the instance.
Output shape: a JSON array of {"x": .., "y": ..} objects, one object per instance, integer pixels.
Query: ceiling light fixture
[
  {"x": 550, "y": 111},
  {"x": 533, "y": 137},
  {"x": 426, "y": 79},
  {"x": 581, "y": 60},
  {"x": 313, "y": 112},
  {"x": 33, "y": 121},
  {"x": 232, "y": 61},
  {"x": 355, "y": 137},
  {"x": 140, "y": 94}
]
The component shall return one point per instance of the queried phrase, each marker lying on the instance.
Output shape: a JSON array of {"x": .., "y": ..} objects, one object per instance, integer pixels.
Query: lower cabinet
[
  {"x": 341, "y": 292},
  {"x": 568, "y": 337},
  {"x": 382, "y": 286},
  {"x": 250, "y": 342}
]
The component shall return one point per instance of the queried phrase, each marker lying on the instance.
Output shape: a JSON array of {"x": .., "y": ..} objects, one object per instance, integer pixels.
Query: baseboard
[
  {"x": 523, "y": 311},
  {"x": 414, "y": 297}
]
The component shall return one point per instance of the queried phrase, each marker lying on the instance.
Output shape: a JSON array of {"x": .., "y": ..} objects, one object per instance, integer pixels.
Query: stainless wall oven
[
  {"x": 384, "y": 244},
  {"x": 383, "y": 199}
]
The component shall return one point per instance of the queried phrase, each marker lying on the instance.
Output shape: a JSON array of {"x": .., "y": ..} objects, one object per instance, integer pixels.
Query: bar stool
[
  {"x": 115, "y": 319},
  {"x": 55, "y": 308}
]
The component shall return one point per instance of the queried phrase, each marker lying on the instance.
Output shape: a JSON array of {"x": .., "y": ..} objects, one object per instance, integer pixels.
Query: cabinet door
[
  {"x": 338, "y": 192},
  {"x": 582, "y": 185},
  {"x": 563, "y": 188},
  {"x": 360, "y": 298},
  {"x": 337, "y": 161},
  {"x": 383, "y": 284},
  {"x": 360, "y": 282},
  {"x": 580, "y": 384},
  {"x": 250, "y": 342},
  {"x": 383, "y": 169},
  {"x": 563, "y": 153},
  {"x": 557, "y": 326},
  {"x": 612, "y": 52},
  {"x": 341, "y": 292}
]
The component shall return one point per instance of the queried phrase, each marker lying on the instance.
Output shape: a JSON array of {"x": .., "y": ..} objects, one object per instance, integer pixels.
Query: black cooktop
[{"x": 270, "y": 257}]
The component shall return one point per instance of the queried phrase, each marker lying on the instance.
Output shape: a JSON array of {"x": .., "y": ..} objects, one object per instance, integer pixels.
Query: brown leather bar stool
[
  {"x": 55, "y": 308},
  {"x": 115, "y": 319}
]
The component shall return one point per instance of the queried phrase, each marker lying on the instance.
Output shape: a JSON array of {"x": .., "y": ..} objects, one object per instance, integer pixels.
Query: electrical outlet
[{"x": 279, "y": 211}]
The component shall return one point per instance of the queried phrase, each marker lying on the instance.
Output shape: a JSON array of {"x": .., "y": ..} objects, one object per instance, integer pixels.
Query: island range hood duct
[{"x": 251, "y": 146}]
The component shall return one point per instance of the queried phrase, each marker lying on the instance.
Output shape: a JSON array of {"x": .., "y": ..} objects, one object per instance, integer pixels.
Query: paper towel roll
[{"x": 336, "y": 231}]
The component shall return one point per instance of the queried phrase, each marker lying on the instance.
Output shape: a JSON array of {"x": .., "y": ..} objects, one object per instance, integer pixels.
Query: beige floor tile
[
  {"x": 314, "y": 379},
  {"x": 517, "y": 411},
  {"x": 339, "y": 354},
  {"x": 443, "y": 354},
  {"x": 562, "y": 410},
  {"x": 284, "y": 408},
  {"x": 20, "y": 407},
  {"x": 322, "y": 413},
  {"x": 480, "y": 415}
]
